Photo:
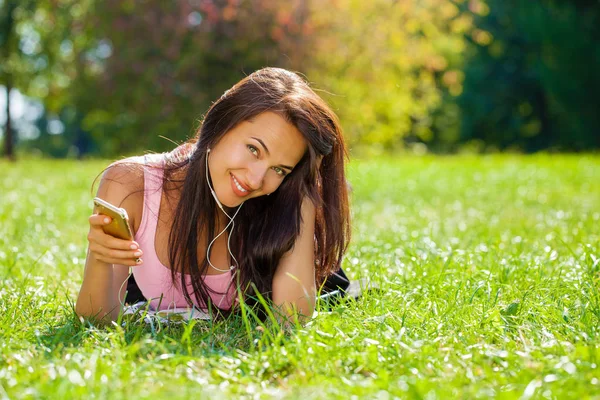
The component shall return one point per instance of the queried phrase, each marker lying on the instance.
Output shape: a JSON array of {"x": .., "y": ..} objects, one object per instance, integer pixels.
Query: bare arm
[
  {"x": 108, "y": 258},
  {"x": 294, "y": 287}
]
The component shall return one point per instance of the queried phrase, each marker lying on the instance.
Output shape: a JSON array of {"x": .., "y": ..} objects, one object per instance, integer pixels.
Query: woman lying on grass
[{"x": 271, "y": 152}]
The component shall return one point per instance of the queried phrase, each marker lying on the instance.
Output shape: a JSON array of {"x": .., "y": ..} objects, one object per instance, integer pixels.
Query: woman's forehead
[{"x": 276, "y": 135}]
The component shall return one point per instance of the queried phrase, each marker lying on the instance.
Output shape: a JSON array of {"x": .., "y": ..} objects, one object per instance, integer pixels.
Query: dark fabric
[
  {"x": 337, "y": 281},
  {"x": 134, "y": 294}
]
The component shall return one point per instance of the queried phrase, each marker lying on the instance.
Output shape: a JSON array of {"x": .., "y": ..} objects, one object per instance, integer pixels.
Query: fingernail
[
  {"x": 137, "y": 253},
  {"x": 138, "y": 261},
  {"x": 133, "y": 247},
  {"x": 106, "y": 220}
]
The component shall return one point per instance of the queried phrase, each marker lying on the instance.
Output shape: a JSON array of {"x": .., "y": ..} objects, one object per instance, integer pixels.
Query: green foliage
[
  {"x": 128, "y": 73},
  {"x": 121, "y": 75},
  {"x": 16, "y": 67},
  {"x": 381, "y": 60},
  {"x": 47, "y": 50},
  {"x": 535, "y": 85},
  {"x": 160, "y": 67},
  {"x": 489, "y": 269}
]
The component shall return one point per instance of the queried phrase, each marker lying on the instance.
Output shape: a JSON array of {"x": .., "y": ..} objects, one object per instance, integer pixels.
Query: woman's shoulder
[
  {"x": 122, "y": 184},
  {"x": 124, "y": 174}
]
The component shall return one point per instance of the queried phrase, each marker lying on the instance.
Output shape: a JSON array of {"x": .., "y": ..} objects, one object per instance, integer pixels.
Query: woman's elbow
[
  {"x": 86, "y": 311},
  {"x": 300, "y": 309}
]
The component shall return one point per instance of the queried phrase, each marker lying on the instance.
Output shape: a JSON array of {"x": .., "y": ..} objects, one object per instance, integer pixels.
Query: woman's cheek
[
  {"x": 239, "y": 158},
  {"x": 274, "y": 186}
]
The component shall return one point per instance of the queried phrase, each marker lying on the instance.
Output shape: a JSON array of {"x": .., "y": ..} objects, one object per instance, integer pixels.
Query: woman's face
[{"x": 254, "y": 157}]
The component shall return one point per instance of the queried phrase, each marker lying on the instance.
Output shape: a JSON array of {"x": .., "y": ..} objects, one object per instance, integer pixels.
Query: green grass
[{"x": 490, "y": 269}]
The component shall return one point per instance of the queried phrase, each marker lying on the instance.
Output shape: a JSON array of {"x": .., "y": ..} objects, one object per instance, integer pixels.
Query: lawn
[{"x": 490, "y": 270}]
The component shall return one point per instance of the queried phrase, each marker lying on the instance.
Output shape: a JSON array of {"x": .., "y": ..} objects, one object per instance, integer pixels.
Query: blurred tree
[
  {"x": 154, "y": 69},
  {"x": 40, "y": 40},
  {"x": 157, "y": 68},
  {"x": 116, "y": 75},
  {"x": 383, "y": 61},
  {"x": 11, "y": 11},
  {"x": 534, "y": 85}
]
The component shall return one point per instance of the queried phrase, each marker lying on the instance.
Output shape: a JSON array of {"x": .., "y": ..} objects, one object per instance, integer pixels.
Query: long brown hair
[{"x": 267, "y": 226}]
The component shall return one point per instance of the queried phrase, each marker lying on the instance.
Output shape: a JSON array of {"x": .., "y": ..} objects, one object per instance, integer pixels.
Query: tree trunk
[
  {"x": 9, "y": 151},
  {"x": 6, "y": 45}
]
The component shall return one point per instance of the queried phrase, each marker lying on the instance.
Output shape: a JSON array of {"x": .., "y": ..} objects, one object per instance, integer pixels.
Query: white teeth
[{"x": 237, "y": 185}]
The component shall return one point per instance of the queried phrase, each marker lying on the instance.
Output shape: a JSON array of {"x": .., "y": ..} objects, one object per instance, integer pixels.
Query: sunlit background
[
  {"x": 114, "y": 77},
  {"x": 488, "y": 266}
]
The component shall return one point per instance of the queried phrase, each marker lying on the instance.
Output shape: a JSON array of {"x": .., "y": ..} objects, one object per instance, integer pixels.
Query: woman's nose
[{"x": 256, "y": 176}]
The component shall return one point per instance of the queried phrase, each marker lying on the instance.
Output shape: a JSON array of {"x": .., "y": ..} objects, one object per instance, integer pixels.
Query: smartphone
[{"x": 119, "y": 226}]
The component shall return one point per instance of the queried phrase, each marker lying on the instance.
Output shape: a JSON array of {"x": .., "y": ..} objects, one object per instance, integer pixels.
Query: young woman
[{"x": 256, "y": 202}]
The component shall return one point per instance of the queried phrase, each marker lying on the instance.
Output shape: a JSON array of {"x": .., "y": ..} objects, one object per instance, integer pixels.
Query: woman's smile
[{"x": 239, "y": 188}]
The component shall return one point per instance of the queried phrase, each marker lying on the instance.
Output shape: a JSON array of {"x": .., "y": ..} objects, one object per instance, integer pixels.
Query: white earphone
[{"x": 231, "y": 267}]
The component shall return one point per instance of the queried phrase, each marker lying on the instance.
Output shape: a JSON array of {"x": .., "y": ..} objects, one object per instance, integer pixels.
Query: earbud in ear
[{"x": 208, "y": 150}]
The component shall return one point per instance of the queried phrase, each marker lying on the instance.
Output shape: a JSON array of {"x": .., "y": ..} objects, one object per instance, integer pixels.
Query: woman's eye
[
  {"x": 280, "y": 171},
  {"x": 253, "y": 149}
]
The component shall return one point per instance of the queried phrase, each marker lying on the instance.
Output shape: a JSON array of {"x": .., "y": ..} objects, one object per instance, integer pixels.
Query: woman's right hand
[{"x": 109, "y": 249}]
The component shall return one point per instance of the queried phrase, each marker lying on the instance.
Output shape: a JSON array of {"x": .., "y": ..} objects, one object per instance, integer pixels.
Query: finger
[
  {"x": 99, "y": 220},
  {"x": 111, "y": 242},
  {"x": 115, "y": 254},
  {"x": 98, "y": 235},
  {"x": 129, "y": 262}
]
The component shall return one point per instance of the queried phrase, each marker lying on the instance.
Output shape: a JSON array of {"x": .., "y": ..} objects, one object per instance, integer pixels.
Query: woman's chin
[
  {"x": 232, "y": 205},
  {"x": 232, "y": 202}
]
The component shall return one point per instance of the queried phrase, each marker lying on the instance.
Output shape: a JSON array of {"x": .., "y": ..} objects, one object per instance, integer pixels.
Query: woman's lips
[{"x": 238, "y": 188}]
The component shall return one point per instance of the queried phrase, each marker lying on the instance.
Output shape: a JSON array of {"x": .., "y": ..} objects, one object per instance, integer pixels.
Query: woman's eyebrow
[
  {"x": 267, "y": 151},
  {"x": 262, "y": 144}
]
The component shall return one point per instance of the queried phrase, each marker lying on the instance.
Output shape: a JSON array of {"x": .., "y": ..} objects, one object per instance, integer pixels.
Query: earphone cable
[
  {"x": 121, "y": 288},
  {"x": 231, "y": 222},
  {"x": 228, "y": 243}
]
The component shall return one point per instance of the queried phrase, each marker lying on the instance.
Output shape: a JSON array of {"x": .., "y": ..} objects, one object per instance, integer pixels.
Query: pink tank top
[{"x": 152, "y": 277}]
